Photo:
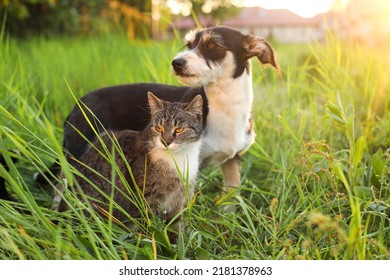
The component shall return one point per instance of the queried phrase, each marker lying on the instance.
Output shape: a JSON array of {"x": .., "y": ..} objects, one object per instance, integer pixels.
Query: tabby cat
[{"x": 162, "y": 158}]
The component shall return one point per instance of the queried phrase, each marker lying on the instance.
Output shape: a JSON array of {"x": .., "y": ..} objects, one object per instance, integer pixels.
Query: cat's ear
[
  {"x": 155, "y": 104},
  {"x": 196, "y": 105}
]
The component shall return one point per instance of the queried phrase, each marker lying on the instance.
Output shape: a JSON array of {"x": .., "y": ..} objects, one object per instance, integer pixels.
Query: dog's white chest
[{"x": 228, "y": 130}]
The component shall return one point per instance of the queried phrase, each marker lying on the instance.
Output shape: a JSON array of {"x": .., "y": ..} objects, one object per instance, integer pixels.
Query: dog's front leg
[
  {"x": 231, "y": 172},
  {"x": 231, "y": 179}
]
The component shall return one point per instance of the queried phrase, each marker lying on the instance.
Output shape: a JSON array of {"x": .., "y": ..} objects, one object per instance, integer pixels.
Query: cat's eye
[
  {"x": 179, "y": 129},
  {"x": 159, "y": 129}
]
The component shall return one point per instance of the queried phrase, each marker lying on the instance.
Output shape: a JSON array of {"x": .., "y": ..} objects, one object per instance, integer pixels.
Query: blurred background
[{"x": 284, "y": 21}]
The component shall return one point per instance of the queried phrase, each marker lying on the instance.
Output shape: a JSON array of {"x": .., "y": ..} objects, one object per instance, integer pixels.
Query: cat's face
[{"x": 173, "y": 125}]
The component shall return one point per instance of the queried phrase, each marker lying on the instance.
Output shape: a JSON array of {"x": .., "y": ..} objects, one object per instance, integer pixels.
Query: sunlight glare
[{"x": 304, "y": 8}]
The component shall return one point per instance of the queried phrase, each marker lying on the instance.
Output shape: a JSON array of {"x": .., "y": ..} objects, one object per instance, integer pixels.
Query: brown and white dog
[
  {"x": 217, "y": 59},
  {"x": 215, "y": 65}
]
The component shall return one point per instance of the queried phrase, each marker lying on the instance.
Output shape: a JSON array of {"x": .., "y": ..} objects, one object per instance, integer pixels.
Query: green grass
[{"x": 315, "y": 185}]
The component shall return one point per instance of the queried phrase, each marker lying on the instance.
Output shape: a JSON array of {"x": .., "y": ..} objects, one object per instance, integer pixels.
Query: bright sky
[{"x": 304, "y": 8}]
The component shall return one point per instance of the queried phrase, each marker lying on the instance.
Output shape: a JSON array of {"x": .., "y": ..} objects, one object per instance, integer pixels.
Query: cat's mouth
[{"x": 172, "y": 147}]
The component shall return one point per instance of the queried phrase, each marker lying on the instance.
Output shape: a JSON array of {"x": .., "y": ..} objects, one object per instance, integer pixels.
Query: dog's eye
[
  {"x": 159, "y": 129},
  {"x": 179, "y": 129},
  {"x": 211, "y": 45}
]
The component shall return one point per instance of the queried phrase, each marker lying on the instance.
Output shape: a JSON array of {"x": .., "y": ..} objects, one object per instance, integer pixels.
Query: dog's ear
[
  {"x": 256, "y": 46},
  {"x": 155, "y": 104}
]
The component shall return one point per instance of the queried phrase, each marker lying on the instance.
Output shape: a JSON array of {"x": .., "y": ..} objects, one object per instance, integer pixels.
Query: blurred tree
[
  {"x": 218, "y": 9},
  {"x": 24, "y": 17},
  {"x": 134, "y": 15},
  {"x": 48, "y": 17},
  {"x": 139, "y": 18}
]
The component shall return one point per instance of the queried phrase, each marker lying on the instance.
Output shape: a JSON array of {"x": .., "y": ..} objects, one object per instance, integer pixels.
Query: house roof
[
  {"x": 251, "y": 17},
  {"x": 256, "y": 16}
]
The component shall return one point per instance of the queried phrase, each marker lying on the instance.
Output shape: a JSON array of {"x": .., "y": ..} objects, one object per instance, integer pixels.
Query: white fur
[
  {"x": 190, "y": 36},
  {"x": 182, "y": 160},
  {"x": 230, "y": 102},
  {"x": 186, "y": 159}
]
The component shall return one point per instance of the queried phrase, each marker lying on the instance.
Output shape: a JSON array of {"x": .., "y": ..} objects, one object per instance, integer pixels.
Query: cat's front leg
[{"x": 166, "y": 217}]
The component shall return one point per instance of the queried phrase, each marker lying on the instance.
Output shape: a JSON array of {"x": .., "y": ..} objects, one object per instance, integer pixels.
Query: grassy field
[{"x": 315, "y": 185}]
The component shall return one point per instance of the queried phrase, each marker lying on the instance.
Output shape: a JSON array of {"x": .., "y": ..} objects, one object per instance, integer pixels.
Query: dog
[{"x": 216, "y": 65}]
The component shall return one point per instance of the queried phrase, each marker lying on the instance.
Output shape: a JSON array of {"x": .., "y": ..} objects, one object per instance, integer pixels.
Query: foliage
[
  {"x": 73, "y": 17},
  {"x": 218, "y": 9},
  {"x": 316, "y": 183},
  {"x": 49, "y": 17}
]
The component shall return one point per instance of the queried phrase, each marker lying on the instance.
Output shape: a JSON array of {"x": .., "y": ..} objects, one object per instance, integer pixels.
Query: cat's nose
[{"x": 167, "y": 140}]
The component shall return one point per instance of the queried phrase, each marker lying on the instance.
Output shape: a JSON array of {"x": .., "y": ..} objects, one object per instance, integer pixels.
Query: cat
[{"x": 171, "y": 142}]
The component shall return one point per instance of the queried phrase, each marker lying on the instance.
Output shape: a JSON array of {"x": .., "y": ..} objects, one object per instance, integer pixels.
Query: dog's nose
[{"x": 178, "y": 63}]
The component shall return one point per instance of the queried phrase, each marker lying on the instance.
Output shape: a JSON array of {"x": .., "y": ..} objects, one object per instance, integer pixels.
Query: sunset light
[
  {"x": 304, "y": 8},
  {"x": 187, "y": 139}
]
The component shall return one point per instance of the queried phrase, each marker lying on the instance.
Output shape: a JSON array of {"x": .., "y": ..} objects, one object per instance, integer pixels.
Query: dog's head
[{"x": 219, "y": 52}]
